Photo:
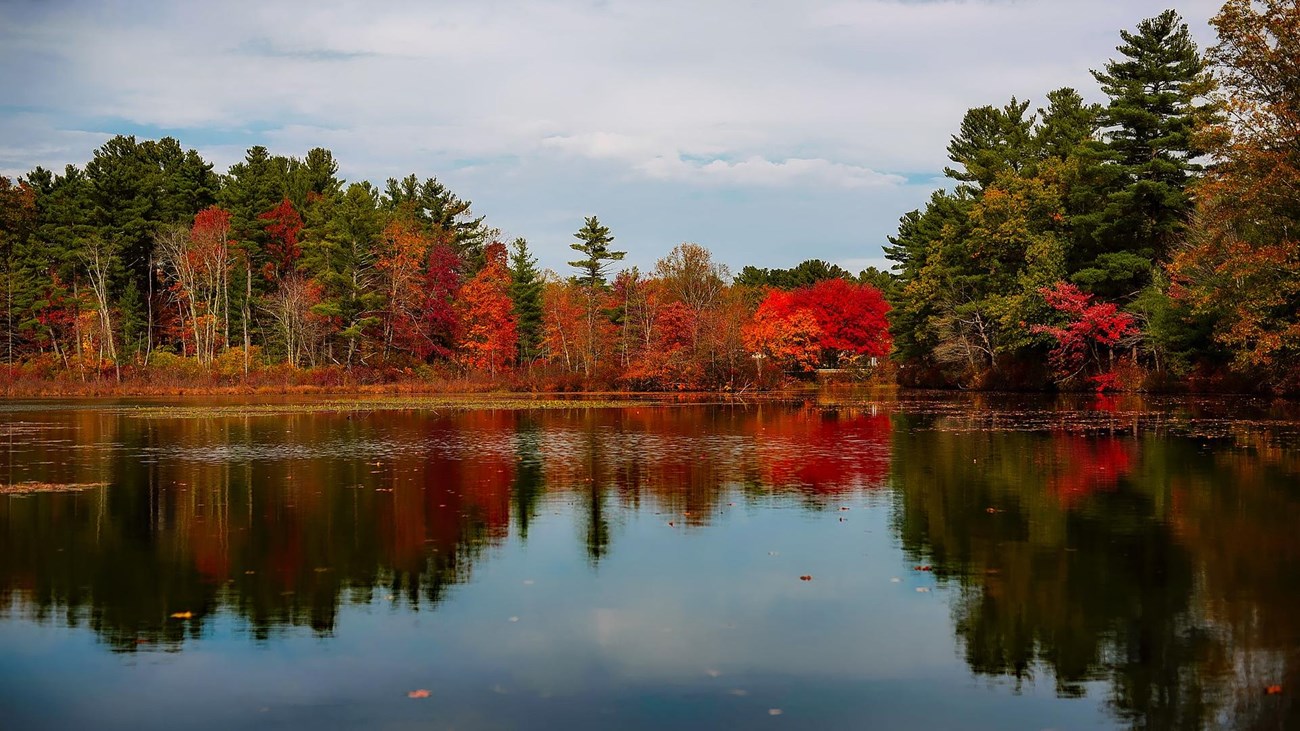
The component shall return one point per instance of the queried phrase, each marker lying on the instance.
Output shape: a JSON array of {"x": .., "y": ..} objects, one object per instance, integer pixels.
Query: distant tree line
[{"x": 145, "y": 261}]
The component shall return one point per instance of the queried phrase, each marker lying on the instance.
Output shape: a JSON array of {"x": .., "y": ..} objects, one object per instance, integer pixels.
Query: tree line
[
  {"x": 1146, "y": 241},
  {"x": 147, "y": 263}
]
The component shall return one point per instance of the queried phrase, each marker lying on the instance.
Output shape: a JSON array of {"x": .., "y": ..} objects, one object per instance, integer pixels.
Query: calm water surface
[{"x": 979, "y": 562}]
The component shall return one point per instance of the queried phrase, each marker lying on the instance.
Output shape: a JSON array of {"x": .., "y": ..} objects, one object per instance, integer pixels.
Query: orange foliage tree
[
  {"x": 1241, "y": 265},
  {"x": 487, "y": 322},
  {"x": 784, "y": 333}
]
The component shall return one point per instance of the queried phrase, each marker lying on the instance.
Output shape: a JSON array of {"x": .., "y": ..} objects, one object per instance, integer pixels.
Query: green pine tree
[
  {"x": 1155, "y": 91},
  {"x": 593, "y": 242},
  {"x": 526, "y": 294}
]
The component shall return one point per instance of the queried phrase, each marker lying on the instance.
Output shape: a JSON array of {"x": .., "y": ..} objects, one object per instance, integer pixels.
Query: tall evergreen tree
[
  {"x": 1154, "y": 107},
  {"x": 337, "y": 251},
  {"x": 17, "y": 223},
  {"x": 991, "y": 141},
  {"x": 526, "y": 293},
  {"x": 441, "y": 213},
  {"x": 593, "y": 243}
]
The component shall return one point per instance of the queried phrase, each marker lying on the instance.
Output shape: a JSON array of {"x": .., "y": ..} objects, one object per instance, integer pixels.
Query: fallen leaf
[
  {"x": 806, "y": 577},
  {"x": 182, "y": 615},
  {"x": 421, "y": 693},
  {"x": 926, "y": 567},
  {"x": 1273, "y": 690}
]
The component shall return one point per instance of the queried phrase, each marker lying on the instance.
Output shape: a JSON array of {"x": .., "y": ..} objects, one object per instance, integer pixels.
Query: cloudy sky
[{"x": 770, "y": 132}]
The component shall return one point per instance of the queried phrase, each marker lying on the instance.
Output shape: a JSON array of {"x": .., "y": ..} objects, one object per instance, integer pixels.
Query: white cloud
[{"x": 564, "y": 104}]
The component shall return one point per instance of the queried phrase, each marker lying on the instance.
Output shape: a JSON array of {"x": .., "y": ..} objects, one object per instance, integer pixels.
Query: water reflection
[
  {"x": 283, "y": 518},
  {"x": 1147, "y": 555},
  {"x": 1164, "y": 565}
]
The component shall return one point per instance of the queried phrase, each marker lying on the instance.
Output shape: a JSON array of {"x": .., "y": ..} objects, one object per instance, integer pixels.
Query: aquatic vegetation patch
[
  {"x": 434, "y": 404},
  {"x": 33, "y": 488}
]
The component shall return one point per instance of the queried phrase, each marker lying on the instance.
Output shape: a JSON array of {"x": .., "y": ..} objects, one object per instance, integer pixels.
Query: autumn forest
[{"x": 1143, "y": 242}]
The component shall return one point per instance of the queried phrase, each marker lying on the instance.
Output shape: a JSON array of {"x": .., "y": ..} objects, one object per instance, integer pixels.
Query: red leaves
[
  {"x": 806, "y": 327},
  {"x": 851, "y": 316},
  {"x": 212, "y": 224},
  {"x": 1089, "y": 326},
  {"x": 420, "y": 280},
  {"x": 283, "y": 224}
]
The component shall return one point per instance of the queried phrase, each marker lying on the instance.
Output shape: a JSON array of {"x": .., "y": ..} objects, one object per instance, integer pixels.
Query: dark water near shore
[{"x": 976, "y": 562}]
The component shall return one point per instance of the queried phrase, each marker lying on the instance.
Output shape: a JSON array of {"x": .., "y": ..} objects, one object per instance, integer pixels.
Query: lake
[{"x": 917, "y": 561}]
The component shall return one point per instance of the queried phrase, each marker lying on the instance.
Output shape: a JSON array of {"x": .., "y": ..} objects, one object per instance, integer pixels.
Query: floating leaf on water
[
  {"x": 182, "y": 615},
  {"x": 926, "y": 567},
  {"x": 420, "y": 693},
  {"x": 806, "y": 577},
  {"x": 923, "y": 589},
  {"x": 774, "y": 711}
]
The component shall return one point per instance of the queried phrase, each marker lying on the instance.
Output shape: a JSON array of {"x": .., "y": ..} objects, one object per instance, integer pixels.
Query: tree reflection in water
[{"x": 1159, "y": 568}]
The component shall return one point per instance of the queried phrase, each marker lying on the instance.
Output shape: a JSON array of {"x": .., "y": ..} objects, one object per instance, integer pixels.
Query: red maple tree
[
  {"x": 283, "y": 224},
  {"x": 1091, "y": 328}
]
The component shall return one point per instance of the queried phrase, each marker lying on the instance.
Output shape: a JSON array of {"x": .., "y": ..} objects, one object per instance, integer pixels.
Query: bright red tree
[
  {"x": 1090, "y": 329},
  {"x": 436, "y": 322},
  {"x": 283, "y": 224},
  {"x": 852, "y": 317}
]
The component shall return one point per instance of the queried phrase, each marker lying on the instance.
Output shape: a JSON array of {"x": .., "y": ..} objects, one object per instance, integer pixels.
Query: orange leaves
[
  {"x": 420, "y": 693},
  {"x": 787, "y": 335},
  {"x": 487, "y": 331}
]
